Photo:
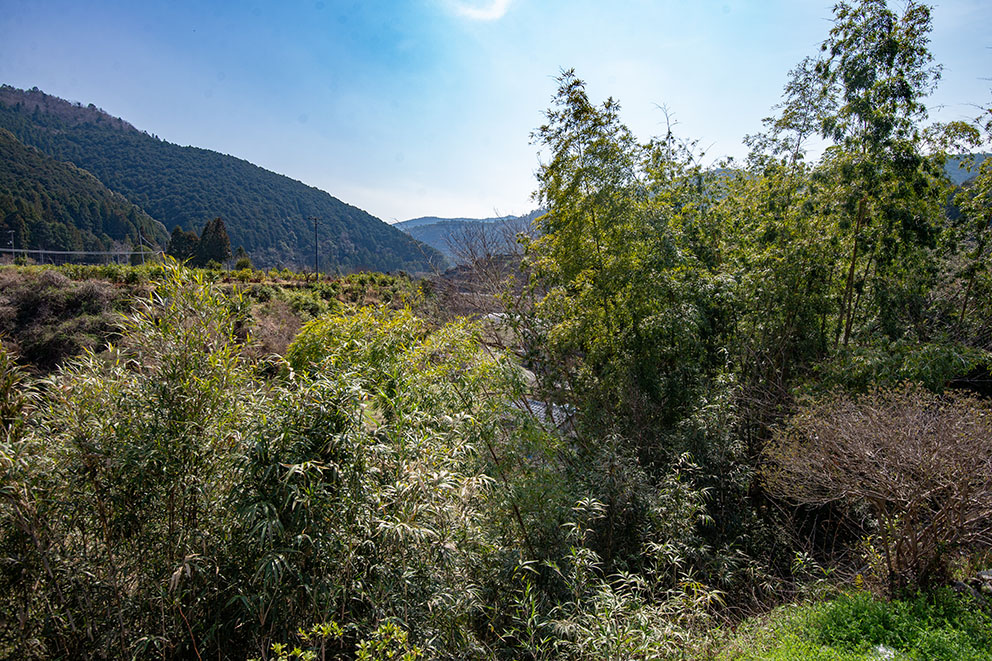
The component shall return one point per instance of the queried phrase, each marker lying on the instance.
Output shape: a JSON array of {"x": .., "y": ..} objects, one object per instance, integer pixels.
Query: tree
[
  {"x": 183, "y": 245},
  {"x": 624, "y": 328},
  {"x": 215, "y": 246},
  {"x": 805, "y": 104},
  {"x": 878, "y": 70},
  {"x": 243, "y": 261},
  {"x": 606, "y": 256},
  {"x": 975, "y": 203}
]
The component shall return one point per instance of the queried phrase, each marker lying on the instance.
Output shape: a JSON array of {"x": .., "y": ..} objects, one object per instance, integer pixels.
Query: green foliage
[
  {"x": 370, "y": 336},
  {"x": 678, "y": 311},
  {"x": 654, "y": 613},
  {"x": 315, "y": 638},
  {"x": 190, "y": 492},
  {"x": 214, "y": 246},
  {"x": 132, "y": 457},
  {"x": 628, "y": 305},
  {"x": 183, "y": 245},
  {"x": 15, "y": 396},
  {"x": 879, "y": 70},
  {"x": 975, "y": 204},
  {"x": 149, "y": 272},
  {"x": 940, "y": 626},
  {"x": 220, "y": 510},
  {"x": 48, "y": 313},
  {"x": 887, "y": 363},
  {"x": 387, "y": 642}
]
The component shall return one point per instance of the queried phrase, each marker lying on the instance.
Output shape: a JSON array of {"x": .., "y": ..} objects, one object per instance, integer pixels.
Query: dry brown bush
[
  {"x": 920, "y": 463},
  {"x": 46, "y": 317},
  {"x": 275, "y": 327}
]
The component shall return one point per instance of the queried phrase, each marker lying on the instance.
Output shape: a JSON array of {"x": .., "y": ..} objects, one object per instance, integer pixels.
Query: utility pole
[
  {"x": 316, "y": 271},
  {"x": 141, "y": 246}
]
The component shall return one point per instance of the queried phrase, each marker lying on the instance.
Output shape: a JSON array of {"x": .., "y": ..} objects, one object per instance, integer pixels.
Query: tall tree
[
  {"x": 214, "y": 246},
  {"x": 182, "y": 244},
  {"x": 623, "y": 254},
  {"x": 878, "y": 68},
  {"x": 975, "y": 202}
]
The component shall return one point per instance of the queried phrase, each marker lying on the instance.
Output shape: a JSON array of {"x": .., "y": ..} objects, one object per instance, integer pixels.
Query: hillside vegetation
[
  {"x": 53, "y": 205},
  {"x": 49, "y": 315},
  {"x": 266, "y": 213}
]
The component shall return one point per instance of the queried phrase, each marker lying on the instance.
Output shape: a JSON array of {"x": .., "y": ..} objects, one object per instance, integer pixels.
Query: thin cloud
[{"x": 484, "y": 11}]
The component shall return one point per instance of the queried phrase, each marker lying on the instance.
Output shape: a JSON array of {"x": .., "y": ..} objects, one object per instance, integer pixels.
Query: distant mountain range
[
  {"x": 960, "y": 169},
  {"x": 266, "y": 213},
  {"x": 455, "y": 236}
]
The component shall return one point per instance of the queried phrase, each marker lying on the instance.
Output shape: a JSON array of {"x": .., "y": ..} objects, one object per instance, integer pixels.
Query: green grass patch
[{"x": 935, "y": 627}]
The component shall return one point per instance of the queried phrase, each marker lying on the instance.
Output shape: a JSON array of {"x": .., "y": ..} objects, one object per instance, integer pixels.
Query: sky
[{"x": 410, "y": 108}]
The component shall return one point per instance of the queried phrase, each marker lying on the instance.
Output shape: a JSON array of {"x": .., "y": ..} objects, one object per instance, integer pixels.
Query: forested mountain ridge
[
  {"x": 407, "y": 225},
  {"x": 74, "y": 114},
  {"x": 266, "y": 213},
  {"x": 51, "y": 205},
  {"x": 963, "y": 168},
  {"x": 449, "y": 235}
]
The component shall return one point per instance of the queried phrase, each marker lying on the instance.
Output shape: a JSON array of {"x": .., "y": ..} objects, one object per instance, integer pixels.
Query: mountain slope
[
  {"x": 52, "y": 205},
  {"x": 449, "y": 235},
  {"x": 266, "y": 213},
  {"x": 407, "y": 225},
  {"x": 960, "y": 169}
]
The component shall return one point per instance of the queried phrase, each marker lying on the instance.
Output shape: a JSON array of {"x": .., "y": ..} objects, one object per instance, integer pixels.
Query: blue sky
[{"x": 424, "y": 107}]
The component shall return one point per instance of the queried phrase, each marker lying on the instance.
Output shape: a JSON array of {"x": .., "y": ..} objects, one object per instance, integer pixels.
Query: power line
[
  {"x": 80, "y": 253},
  {"x": 120, "y": 253}
]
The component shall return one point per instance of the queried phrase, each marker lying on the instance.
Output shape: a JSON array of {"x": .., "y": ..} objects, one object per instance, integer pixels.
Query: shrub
[
  {"x": 164, "y": 500},
  {"x": 920, "y": 463},
  {"x": 49, "y": 318}
]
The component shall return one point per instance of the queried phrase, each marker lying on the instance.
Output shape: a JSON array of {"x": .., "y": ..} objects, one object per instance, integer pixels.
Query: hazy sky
[{"x": 425, "y": 107}]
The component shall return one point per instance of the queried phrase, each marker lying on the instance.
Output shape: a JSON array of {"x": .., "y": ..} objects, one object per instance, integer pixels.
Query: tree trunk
[{"x": 846, "y": 307}]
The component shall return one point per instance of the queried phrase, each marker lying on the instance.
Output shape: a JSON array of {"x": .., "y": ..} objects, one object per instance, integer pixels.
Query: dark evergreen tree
[
  {"x": 214, "y": 246},
  {"x": 182, "y": 244}
]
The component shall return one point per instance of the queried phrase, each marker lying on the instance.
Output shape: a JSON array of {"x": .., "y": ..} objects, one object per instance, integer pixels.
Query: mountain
[
  {"x": 960, "y": 169},
  {"x": 270, "y": 215},
  {"x": 407, "y": 225},
  {"x": 454, "y": 236},
  {"x": 51, "y": 205}
]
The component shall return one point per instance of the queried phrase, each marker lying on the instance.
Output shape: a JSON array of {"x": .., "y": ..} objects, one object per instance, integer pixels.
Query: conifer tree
[
  {"x": 215, "y": 245},
  {"x": 183, "y": 245}
]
